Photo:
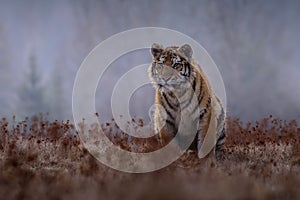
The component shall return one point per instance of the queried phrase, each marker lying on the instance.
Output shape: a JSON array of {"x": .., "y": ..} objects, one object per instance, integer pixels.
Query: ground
[{"x": 46, "y": 160}]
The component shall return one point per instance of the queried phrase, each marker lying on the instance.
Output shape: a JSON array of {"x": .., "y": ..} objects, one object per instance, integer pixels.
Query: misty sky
[{"x": 255, "y": 44}]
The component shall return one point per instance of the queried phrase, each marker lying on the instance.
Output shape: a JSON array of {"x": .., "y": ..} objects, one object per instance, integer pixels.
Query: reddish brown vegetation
[{"x": 46, "y": 160}]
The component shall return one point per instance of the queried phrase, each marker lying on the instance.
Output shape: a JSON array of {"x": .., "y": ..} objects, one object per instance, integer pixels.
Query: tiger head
[{"x": 171, "y": 67}]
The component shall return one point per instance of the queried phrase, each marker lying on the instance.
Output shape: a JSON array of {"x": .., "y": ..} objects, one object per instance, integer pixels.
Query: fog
[{"x": 255, "y": 45}]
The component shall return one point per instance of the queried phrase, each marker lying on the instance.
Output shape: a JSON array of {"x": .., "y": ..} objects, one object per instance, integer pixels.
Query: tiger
[{"x": 174, "y": 69}]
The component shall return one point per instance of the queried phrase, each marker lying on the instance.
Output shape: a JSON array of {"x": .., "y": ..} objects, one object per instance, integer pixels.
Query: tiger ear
[
  {"x": 156, "y": 49},
  {"x": 186, "y": 50}
]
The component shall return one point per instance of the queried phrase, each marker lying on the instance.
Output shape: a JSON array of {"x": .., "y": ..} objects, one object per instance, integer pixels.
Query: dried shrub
[{"x": 47, "y": 160}]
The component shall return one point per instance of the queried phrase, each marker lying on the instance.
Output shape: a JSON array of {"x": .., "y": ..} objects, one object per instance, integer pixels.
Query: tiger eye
[{"x": 176, "y": 65}]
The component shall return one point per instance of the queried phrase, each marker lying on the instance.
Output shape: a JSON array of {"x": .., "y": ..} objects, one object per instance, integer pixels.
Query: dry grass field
[{"x": 40, "y": 159}]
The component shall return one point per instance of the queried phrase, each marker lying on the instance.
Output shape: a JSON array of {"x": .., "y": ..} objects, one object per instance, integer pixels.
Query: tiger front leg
[
  {"x": 220, "y": 150},
  {"x": 205, "y": 143},
  {"x": 166, "y": 134}
]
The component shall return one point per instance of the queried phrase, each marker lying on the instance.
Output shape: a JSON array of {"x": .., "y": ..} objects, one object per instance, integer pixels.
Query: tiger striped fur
[{"x": 173, "y": 68}]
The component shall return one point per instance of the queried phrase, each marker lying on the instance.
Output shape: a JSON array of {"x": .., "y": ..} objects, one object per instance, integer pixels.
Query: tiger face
[{"x": 171, "y": 68}]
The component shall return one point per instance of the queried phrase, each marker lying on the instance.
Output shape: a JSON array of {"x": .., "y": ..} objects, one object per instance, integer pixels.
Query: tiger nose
[{"x": 166, "y": 79}]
